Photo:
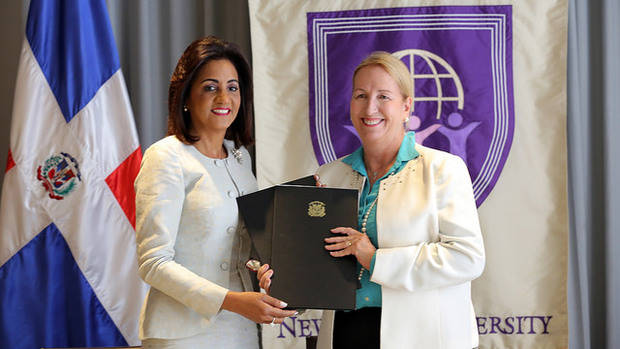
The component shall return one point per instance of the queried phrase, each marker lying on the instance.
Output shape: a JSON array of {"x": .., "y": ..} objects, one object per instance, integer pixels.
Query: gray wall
[{"x": 12, "y": 23}]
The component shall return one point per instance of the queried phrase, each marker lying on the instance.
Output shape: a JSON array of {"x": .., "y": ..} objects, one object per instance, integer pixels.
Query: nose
[
  {"x": 222, "y": 96},
  {"x": 371, "y": 106}
]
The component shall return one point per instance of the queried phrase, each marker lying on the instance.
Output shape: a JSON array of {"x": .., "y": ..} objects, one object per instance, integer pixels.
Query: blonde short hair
[{"x": 393, "y": 66}]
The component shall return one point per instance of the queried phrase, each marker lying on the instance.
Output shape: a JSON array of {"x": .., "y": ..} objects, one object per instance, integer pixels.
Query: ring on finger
[{"x": 348, "y": 243}]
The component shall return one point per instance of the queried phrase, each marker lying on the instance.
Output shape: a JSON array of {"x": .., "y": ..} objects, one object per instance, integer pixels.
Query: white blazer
[
  {"x": 430, "y": 248},
  {"x": 186, "y": 223}
]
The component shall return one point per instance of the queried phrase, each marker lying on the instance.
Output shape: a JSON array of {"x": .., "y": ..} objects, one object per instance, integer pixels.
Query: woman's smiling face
[
  {"x": 378, "y": 109},
  {"x": 214, "y": 97}
]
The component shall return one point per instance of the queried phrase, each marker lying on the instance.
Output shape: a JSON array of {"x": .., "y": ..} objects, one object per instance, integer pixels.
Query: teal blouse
[{"x": 369, "y": 295}]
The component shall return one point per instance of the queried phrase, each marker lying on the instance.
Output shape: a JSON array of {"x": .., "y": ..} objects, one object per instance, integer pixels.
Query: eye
[
  {"x": 233, "y": 88},
  {"x": 384, "y": 97},
  {"x": 359, "y": 96},
  {"x": 210, "y": 88}
]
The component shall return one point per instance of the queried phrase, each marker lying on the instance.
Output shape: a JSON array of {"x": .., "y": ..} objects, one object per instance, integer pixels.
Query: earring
[{"x": 185, "y": 109}]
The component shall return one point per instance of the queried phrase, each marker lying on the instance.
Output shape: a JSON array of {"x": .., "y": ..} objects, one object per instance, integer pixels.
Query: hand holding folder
[{"x": 287, "y": 224}]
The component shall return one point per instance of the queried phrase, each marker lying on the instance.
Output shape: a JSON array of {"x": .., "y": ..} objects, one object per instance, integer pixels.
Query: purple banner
[{"x": 460, "y": 59}]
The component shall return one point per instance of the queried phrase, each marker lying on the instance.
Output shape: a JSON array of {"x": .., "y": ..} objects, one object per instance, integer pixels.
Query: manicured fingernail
[
  {"x": 282, "y": 304},
  {"x": 296, "y": 313}
]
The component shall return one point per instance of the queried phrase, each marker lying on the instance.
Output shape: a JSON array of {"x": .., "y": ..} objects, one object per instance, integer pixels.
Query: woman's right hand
[{"x": 258, "y": 307}]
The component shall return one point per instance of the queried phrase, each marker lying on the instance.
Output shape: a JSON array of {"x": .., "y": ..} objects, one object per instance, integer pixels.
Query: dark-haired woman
[{"x": 190, "y": 242}]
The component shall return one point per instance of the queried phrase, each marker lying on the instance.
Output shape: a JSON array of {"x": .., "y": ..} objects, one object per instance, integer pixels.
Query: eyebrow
[
  {"x": 361, "y": 89},
  {"x": 216, "y": 80}
]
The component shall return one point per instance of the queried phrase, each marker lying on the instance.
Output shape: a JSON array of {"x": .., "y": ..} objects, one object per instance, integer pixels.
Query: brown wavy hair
[{"x": 197, "y": 54}]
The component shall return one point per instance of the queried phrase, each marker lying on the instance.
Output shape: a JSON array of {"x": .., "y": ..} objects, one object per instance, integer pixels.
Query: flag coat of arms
[{"x": 68, "y": 267}]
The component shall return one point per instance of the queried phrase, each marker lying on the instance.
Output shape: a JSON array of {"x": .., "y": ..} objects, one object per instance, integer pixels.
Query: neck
[
  {"x": 211, "y": 145},
  {"x": 379, "y": 156}
]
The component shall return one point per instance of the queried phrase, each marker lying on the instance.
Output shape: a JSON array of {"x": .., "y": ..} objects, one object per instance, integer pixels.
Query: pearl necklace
[
  {"x": 365, "y": 221},
  {"x": 367, "y": 214}
]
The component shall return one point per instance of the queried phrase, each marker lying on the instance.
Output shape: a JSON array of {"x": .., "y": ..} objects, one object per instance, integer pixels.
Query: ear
[{"x": 407, "y": 105}]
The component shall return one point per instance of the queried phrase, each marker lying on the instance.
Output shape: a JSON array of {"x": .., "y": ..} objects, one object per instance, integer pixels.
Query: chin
[{"x": 371, "y": 138}]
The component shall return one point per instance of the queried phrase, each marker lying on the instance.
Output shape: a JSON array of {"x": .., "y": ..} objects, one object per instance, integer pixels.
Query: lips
[
  {"x": 221, "y": 111},
  {"x": 371, "y": 122}
]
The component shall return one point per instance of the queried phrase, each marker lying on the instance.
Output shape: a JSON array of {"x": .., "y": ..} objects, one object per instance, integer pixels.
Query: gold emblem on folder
[{"x": 316, "y": 209}]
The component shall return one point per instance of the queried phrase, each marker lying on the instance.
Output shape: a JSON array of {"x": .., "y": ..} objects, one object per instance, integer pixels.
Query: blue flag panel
[
  {"x": 73, "y": 42},
  {"x": 43, "y": 288}
]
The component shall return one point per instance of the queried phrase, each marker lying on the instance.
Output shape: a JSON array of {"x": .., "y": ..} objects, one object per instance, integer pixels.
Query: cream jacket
[
  {"x": 430, "y": 248},
  {"x": 186, "y": 224}
]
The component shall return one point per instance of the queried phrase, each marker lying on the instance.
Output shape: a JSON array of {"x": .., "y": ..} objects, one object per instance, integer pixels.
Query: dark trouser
[{"x": 357, "y": 329}]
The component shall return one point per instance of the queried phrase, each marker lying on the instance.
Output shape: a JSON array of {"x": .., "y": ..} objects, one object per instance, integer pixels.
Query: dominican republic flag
[{"x": 68, "y": 269}]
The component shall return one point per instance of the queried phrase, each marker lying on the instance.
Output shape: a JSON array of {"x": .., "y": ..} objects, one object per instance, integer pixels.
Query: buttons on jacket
[
  {"x": 218, "y": 162},
  {"x": 230, "y": 230},
  {"x": 224, "y": 266},
  {"x": 231, "y": 194}
]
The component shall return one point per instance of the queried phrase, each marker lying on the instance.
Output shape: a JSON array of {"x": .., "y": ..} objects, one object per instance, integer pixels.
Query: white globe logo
[{"x": 432, "y": 60}]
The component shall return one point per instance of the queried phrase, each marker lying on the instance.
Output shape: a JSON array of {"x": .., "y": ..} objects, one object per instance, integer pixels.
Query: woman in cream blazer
[
  {"x": 189, "y": 237},
  {"x": 430, "y": 248},
  {"x": 418, "y": 242}
]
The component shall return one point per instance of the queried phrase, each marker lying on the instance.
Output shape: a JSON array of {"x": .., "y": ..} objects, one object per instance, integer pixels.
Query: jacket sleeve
[
  {"x": 458, "y": 255},
  {"x": 160, "y": 193}
]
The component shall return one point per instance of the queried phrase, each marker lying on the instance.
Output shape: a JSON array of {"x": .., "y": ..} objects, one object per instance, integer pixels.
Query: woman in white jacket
[
  {"x": 418, "y": 243},
  {"x": 190, "y": 242}
]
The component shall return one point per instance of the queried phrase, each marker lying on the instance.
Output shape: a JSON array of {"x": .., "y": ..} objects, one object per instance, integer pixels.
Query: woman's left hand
[
  {"x": 264, "y": 275},
  {"x": 352, "y": 243}
]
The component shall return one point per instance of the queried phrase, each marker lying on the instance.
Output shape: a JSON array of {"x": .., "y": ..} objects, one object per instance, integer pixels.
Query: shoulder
[
  {"x": 164, "y": 154},
  {"x": 442, "y": 165},
  {"x": 336, "y": 166},
  {"x": 169, "y": 146},
  {"x": 160, "y": 164},
  {"x": 438, "y": 158}
]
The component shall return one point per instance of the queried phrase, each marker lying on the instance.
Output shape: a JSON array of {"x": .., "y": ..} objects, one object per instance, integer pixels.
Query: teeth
[
  {"x": 221, "y": 111},
  {"x": 371, "y": 122}
]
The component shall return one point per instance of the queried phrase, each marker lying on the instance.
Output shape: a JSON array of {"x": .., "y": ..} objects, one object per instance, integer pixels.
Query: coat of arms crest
[
  {"x": 316, "y": 209},
  {"x": 59, "y": 175}
]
